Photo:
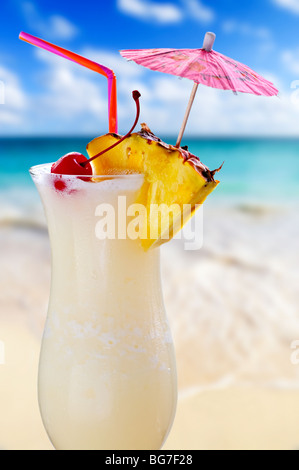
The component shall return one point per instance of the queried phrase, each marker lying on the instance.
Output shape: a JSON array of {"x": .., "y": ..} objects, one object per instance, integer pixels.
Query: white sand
[
  {"x": 233, "y": 309},
  {"x": 237, "y": 419}
]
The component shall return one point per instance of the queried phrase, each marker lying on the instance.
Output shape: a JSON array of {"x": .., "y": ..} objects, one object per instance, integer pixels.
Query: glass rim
[{"x": 35, "y": 171}]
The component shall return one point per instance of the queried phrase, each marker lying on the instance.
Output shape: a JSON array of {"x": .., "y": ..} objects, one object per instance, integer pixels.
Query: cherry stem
[{"x": 136, "y": 95}]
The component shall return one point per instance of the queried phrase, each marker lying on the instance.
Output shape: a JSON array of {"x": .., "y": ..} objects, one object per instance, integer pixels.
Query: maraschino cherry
[
  {"x": 71, "y": 164},
  {"x": 75, "y": 163}
]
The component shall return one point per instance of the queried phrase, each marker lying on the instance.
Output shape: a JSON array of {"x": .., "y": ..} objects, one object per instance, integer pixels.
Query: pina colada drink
[{"x": 107, "y": 376}]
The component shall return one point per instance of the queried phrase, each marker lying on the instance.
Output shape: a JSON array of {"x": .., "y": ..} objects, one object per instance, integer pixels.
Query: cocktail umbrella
[{"x": 204, "y": 66}]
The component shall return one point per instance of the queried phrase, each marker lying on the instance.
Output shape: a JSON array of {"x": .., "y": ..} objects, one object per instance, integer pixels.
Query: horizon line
[{"x": 164, "y": 136}]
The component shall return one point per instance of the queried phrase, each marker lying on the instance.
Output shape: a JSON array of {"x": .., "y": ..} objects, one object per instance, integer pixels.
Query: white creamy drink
[{"x": 107, "y": 375}]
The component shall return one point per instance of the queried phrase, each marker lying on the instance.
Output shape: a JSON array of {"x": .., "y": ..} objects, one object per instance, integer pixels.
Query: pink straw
[{"x": 108, "y": 73}]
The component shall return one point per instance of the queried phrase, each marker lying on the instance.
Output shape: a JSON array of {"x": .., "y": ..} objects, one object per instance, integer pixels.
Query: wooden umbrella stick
[
  {"x": 207, "y": 46},
  {"x": 192, "y": 96}
]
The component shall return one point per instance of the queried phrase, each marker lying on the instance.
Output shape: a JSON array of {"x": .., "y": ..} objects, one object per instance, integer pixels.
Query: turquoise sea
[{"x": 258, "y": 171}]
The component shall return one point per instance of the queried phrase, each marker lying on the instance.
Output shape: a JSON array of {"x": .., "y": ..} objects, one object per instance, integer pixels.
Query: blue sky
[{"x": 44, "y": 94}]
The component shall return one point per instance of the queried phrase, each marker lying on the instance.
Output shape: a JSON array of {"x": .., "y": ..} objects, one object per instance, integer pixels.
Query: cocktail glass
[{"x": 107, "y": 374}]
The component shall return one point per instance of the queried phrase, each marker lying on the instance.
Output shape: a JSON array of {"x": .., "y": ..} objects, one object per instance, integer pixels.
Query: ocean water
[{"x": 255, "y": 171}]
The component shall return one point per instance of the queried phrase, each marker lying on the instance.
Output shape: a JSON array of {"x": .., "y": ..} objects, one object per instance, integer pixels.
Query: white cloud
[
  {"x": 55, "y": 26},
  {"x": 263, "y": 37},
  {"x": 148, "y": 10},
  {"x": 167, "y": 13},
  {"x": 291, "y": 5},
  {"x": 8, "y": 120},
  {"x": 73, "y": 98},
  {"x": 199, "y": 11},
  {"x": 245, "y": 29},
  {"x": 13, "y": 99},
  {"x": 114, "y": 61},
  {"x": 290, "y": 60},
  {"x": 14, "y": 96},
  {"x": 218, "y": 112},
  {"x": 61, "y": 27},
  {"x": 74, "y": 101}
]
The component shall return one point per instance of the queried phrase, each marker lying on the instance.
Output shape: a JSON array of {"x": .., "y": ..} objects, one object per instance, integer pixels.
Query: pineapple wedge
[{"x": 176, "y": 182}]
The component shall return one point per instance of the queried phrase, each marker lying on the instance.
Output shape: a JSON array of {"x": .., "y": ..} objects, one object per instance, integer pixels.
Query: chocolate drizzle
[{"x": 193, "y": 160}]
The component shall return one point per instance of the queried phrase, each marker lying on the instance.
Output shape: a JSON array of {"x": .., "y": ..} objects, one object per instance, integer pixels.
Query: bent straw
[{"x": 101, "y": 69}]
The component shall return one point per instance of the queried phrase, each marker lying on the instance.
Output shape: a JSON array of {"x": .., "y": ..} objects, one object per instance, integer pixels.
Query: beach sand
[{"x": 233, "y": 311}]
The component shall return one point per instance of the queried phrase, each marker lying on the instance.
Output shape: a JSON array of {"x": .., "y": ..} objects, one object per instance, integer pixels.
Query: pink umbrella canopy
[{"x": 203, "y": 66}]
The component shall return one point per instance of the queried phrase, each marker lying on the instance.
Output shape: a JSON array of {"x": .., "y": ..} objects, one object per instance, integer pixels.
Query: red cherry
[{"x": 71, "y": 164}]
